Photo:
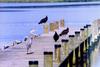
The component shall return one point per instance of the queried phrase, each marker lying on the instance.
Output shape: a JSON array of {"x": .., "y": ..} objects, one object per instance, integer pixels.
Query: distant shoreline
[{"x": 47, "y": 5}]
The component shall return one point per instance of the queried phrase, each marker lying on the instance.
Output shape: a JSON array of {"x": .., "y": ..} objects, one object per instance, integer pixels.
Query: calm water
[{"x": 16, "y": 23}]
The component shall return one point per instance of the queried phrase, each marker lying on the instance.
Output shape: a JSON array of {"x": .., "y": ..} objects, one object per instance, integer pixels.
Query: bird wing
[{"x": 64, "y": 32}]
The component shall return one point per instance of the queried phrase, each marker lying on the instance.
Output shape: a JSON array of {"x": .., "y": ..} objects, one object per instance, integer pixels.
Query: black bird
[
  {"x": 19, "y": 42},
  {"x": 5, "y": 47},
  {"x": 25, "y": 39},
  {"x": 64, "y": 32},
  {"x": 44, "y": 20},
  {"x": 55, "y": 37}
]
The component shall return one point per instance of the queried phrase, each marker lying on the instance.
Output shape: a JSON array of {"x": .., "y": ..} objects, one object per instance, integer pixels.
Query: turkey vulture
[
  {"x": 56, "y": 37},
  {"x": 64, "y": 32},
  {"x": 5, "y": 47},
  {"x": 44, "y": 20}
]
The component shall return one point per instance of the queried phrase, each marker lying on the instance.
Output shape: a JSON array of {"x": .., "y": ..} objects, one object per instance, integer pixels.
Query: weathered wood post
[
  {"x": 52, "y": 27},
  {"x": 77, "y": 39},
  {"x": 86, "y": 45},
  {"x": 88, "y": 35},
  {"x": 56, "y": 25},
  {"x": 83, "y": 38},
  {"x": 71, "y": 42},
  {"x": 89, "y": 44},
  {"x": 85, "y": 56},
  {"x": 82, "y": 34},
  {"x": 78, "y": 49},
  {"x": 48, "y": 59},
  {"x": 46, "y": 28},
  {"x": 58, "y": 53},
  {"x": 62, "y": 24},
  {"x": 65, "y": 47},
  {"x": 33, "y": 63},
  {"x": 82, "y": 46},
  {"x": 72, "y": 47}
]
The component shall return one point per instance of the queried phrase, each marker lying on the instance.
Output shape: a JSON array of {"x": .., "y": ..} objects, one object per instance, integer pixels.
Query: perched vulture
[
  {"x": 64, "y": 32},
  {"x": 44, "y": 20},
  {"x": 56, "y": 37}
]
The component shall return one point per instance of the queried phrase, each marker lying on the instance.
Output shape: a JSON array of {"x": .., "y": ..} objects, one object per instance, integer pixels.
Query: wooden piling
[
  {"x": 68, "y": 65},
  {"x": 74, "y": 58},
  {"x": 62, "y": 23},
  {"x": 71, "y": 42},
  {"x": 88, "y": 35},
  {"x": 57, "y": 53},
  {"x": 33, "y": 63},
  {"x": 52, "y": 27},
  {"x": 48, "y": 59},
  {"x": 46, "y": 28},
  {"x": 56, "y": 25},
  {"x": 82, "y": 34},
  {"x": 65, "y": 47},
  {"x": 77, "y": 36},
  {"x": 73, "y": 46},
  {"x": 83, "y": 39}
]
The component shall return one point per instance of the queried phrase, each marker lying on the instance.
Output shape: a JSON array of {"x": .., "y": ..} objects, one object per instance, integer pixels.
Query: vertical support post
[
  {"x": 33, "y": 63},
  {"x": 77, "y": 36},
  {"x": 62, "y": 23},
  {"x": 48, "y": 59},
  {"x": 82, "y": 34},
  {"x": 71, "y": 42},
  {"x": 89, "y": 35},
  {"x": 46, "y": 28},
  {"x": 65, "y": 47},
  {"x": 52, "y": 27},
  {"x": 85, "y": 32},
  {"x": 57, "y": 25},
  {"x": 74, "y": 58},
  {"x": 88, "y": 44},
  {"x": 57, "y": 53},
  {"x": 73, "y": 46},
  {"x": 86, "y": 36},
  {"x": 83, "y": 39},
  {"x": 68, "y": 65}
]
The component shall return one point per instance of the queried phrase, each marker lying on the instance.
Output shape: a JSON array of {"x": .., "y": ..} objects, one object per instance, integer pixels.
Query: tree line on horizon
[{"x": 43, "y": 1}]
